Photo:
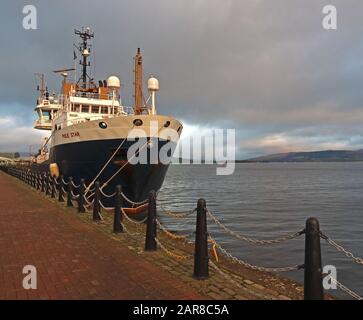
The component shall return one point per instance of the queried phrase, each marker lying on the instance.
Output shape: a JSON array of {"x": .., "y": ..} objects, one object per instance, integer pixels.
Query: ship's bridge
[{"x": 46, "y": 110}]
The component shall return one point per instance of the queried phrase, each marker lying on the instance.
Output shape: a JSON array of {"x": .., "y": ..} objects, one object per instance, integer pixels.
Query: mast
[
  {"x": 84, "y": 49},
  {"x": 138, "y": 82}
]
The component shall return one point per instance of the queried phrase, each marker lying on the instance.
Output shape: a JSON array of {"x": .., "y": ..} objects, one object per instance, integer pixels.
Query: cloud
[
  {"x": 265, "y": 68},
  {"x": 18, "y": 138}
]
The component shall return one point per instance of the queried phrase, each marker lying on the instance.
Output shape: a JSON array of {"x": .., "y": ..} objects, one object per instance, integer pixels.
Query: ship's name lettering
[{"x": 70, "y": 135}]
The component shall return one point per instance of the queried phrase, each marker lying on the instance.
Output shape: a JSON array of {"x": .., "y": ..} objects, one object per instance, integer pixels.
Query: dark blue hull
[{"x": 84, "y": 160}]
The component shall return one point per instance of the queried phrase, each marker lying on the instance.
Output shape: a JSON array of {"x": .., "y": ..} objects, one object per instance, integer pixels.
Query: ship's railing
[{"x": 92, "y": 200}]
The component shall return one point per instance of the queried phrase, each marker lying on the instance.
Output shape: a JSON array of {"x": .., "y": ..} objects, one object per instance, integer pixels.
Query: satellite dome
[
  {"x": 113, "y": 82},
  {"x": 153, "y": 84}
]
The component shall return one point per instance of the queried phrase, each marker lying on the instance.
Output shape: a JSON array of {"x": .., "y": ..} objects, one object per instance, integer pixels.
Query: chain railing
[
  {"x": 254, "y": 267},
  {"x": 339, "y": 248},
  {"x": 172, "y": 254},
  {"x": 345, "y": 289},
  {"x": 253, "y": 240},
  {"x": 46, "y": 184}
]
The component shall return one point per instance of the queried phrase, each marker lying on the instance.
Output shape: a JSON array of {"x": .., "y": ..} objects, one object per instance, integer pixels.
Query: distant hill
[{"x": 314, "y": 156}]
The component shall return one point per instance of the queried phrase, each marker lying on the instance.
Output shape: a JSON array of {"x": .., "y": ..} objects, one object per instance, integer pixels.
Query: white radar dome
[
  {"x": 153, "y": 84},
  {"x": 113, "y": 82}
]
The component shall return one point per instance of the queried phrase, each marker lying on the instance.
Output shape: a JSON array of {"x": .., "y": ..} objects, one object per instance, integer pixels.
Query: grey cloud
[{"x": 262, "y": 67}]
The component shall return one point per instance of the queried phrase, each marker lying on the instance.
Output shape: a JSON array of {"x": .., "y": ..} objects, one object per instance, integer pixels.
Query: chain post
[
  {"x": 52, "y": 195},
  {"x": 96, "y": 203},
  {"x": 60, "y": 189},
  {"x": 69, "y": 192},
  {"x": 313, "y": 282},
  {"x": 117, "y": 219},
  {"x": 150, "y": 242},
  {"x": 81, "y": 208},
  {"x": 201, "y": 257}
]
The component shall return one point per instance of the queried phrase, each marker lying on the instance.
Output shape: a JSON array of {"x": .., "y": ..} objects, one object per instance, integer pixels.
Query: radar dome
[
  {"x": 113, "y": 82},
  {"x": 153, "y": 84}
]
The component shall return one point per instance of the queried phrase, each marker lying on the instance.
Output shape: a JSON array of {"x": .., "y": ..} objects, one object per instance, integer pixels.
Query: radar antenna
[{"x": 85, "y": 50}]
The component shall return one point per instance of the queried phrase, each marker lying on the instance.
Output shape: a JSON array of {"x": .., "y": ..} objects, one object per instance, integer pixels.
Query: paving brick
[{"x": 76, "y": 261}]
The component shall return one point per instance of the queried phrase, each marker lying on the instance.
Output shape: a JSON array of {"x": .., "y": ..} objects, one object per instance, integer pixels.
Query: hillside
[{"x": 315, "y": 156}]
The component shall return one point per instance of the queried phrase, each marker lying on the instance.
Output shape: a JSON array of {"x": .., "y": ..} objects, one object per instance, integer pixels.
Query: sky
[{"x": 266, "y": 68}]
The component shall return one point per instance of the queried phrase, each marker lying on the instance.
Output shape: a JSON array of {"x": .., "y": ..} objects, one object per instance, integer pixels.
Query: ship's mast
[
  {"x": 84, "y": 49},
  {"x": 138, "y": 82}
]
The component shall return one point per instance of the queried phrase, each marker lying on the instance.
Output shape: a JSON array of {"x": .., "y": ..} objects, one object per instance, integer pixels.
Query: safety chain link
[
  {"x": 177, "y": 215},
  {"x": 172, "y": 254},
  {"x": 74, "y": 185},
  {"x": 133, "y": 202},
  {"x": 170, "y": 234},
  {"x": 132, "y": 220},
  {"x": 225, "y": 275},
  {"x": 104, "y": 207},
  {"x": 128, "y": 232},
  {"x": 341, "y": 249},
  {"x": 106, "y": 195},
  {"x": 344, "y": 288},
  {"x": 253, "y": 267},
  {"x": 253, "y": 240}
]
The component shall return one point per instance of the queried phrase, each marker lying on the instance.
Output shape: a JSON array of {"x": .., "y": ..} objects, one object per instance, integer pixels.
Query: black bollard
[
  {"x": 201, "y": 257},
  {"x": 313, "y": 280},
  {"x": 96, "y": 203},
  {"x": 53, "y": 184},
  {"x": 60, "y": 189},
  {"x": 47, "y": 185},
  {"x": 81, "y": 208},
  {"x": 38, "y": 180},
  {"x": 69, "y": 192},
  {"x": 150, "y": 242},
  {"x": 117, "y": 219},
  {"x": 44, "y": 177}
]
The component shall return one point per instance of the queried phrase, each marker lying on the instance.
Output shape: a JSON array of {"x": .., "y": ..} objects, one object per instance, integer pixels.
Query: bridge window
[
  {"x": 95, "y": 109},
  {"x": 76, "y": 108},
  {"x": 104, "y": 110},
  {"x": 85, "y": 109}
]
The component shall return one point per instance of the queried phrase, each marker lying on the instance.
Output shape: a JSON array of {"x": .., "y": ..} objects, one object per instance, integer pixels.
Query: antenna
[{"x": 85, "y": 35}]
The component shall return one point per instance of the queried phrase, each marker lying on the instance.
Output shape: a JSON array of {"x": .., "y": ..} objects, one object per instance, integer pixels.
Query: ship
[{"x": 94, "y": 137}]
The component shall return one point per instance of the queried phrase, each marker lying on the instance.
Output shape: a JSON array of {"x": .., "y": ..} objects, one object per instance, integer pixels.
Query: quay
[{"x": 78, "y": 258}]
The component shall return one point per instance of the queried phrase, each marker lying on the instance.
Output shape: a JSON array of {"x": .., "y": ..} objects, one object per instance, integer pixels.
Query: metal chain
[
  {"x": 132, "y": 220},
  {"x": 253, "y": 267},
  {"x": 170, "y": 234},
  {"x": 177, "y": 215},
  {"x": 75, "y": 186},
  {"x": 132, "y": 202},
  {"x": 75, "y": 196},
  {"x": 104, "y": 207},
  {"x": 253, "y": 240},
  {"x": 128, "y": 232},
  {"x": 65, "y": 183},
  {"x": 345, "y": 289},
  {"x": 106, "y": 195},
  {"x": 341, "y": 249},
  {"x": 225, "y": 275},
  {"x": 172, "y": 254}
]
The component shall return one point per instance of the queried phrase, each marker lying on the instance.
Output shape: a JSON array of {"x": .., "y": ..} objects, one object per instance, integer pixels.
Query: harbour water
[{"x": 266, "y": 200}]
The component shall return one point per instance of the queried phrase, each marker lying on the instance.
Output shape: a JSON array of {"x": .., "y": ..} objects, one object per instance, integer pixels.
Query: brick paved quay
[{"x": 80, "y": 259}]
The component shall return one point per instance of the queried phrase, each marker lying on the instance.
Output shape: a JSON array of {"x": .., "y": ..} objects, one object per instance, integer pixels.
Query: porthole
[
  {"x": 138, "y": 122},
  {"x": 167, "y": 124},
  {"x": 103, "y": 125}
]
